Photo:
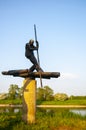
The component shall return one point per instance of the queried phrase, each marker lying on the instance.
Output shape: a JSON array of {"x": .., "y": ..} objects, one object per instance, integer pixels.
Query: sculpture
[{"x": 29, "y": 92}]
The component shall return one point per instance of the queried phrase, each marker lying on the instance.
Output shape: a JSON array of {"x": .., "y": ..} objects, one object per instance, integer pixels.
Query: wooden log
[
  {"x": 15, "y": 72},
  {"x": 26, "y": 74}
]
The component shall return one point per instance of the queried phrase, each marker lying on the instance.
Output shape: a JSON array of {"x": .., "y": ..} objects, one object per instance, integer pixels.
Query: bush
[
  {"x": 3, "y": 96},
  {"x": 44, "y": 94},
  {"x": 60, "y": 97}
]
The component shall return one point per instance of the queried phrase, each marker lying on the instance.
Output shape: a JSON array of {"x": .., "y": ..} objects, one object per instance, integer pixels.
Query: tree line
[{"x": 43, "y": 94}]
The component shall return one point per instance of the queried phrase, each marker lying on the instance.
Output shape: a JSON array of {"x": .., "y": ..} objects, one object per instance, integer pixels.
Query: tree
[
  {"x": 60, "y": 97},
  {"x": 13, "y": 91},
  {"x": 20, "y": 92},
  {"x": 48, "y": 93},
  {"x": 40, "y": 94},
  {"x": 45, "y": 93}
]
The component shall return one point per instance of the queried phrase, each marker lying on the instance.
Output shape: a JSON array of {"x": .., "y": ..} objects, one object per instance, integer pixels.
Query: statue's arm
[
  {"x": 33, "y": 48},
  {"x": 29, "y": 47}
]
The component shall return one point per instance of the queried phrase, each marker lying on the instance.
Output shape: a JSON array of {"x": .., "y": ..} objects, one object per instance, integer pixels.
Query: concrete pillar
[{"x": 29, "y": 100}]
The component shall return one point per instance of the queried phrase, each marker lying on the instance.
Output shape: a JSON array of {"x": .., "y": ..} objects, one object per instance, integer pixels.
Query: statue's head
[{"x": 31, "y": 41}]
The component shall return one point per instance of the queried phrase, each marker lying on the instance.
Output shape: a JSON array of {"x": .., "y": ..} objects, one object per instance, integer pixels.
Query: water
[
  {"x": 10, "y": 110},
  {"x": 48, "y": 110},
  {"x": 79, "y": 111}
]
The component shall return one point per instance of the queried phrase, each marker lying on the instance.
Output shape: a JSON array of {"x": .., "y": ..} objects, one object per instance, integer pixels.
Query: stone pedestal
[{"x": 29, "y": 100}]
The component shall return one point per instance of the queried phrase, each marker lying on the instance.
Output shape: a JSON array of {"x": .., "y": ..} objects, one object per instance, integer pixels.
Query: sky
[{"x": 61, "y": 33}]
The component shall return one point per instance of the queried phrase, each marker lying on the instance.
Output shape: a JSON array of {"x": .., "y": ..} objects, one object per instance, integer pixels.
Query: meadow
[
  {"x": 67, "y": 102},
  {"x": 46, "y": 119}
]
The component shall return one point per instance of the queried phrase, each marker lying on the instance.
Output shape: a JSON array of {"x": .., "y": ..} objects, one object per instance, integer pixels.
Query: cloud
[{"x": 69, "y": 76}]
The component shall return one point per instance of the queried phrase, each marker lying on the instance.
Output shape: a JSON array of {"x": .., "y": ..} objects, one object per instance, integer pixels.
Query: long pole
[
  {"x": 36, "y": 44},
  {"x": 37, "y": 53}
]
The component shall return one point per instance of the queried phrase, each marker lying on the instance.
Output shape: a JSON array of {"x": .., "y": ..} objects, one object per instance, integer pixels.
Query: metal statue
[{"x": 29, "y": 48}]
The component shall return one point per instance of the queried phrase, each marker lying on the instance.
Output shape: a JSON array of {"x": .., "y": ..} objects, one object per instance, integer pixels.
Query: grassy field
[
  {"x": 46, "y": 119},
  {"x": 51, "y": 119},
  {"x": 9, "y": 101},
  {"x": 67, "y": 102}
]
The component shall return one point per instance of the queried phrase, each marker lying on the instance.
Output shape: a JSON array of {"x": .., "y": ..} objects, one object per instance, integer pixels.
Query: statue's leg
[
  {"x": 32, "y": 68},
  {"x": 34, "y": 61},
  {"x": 38, "y": 68}
]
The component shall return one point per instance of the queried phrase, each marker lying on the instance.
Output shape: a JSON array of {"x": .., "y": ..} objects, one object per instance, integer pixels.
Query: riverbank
[
  {"x": 61, "y": 106},
  {"x": 46, "y": 119},
  {"x": 45, "y": 106}
]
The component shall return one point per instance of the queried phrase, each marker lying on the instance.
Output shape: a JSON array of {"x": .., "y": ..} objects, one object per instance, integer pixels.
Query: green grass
[
  {"x": 9, "y": 101},
  {"x": 67, "y": 102},
  {"x": 52, "y": 119}
]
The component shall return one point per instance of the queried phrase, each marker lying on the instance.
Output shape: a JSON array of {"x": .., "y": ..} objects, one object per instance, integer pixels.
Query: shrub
[
  {"x": 60, "y": 97},
  {"x": 45, "y": 94}
]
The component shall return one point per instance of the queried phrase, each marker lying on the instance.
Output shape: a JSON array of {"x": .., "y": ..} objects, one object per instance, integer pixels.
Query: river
[{"x": 79, "y": 111}]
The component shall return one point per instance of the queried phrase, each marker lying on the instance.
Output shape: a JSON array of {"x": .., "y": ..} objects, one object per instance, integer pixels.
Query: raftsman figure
[{"x": 29, "y": 48}]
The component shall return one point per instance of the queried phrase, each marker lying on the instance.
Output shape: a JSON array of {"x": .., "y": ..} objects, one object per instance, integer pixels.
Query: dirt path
[{"x": 47, "y": 106}]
